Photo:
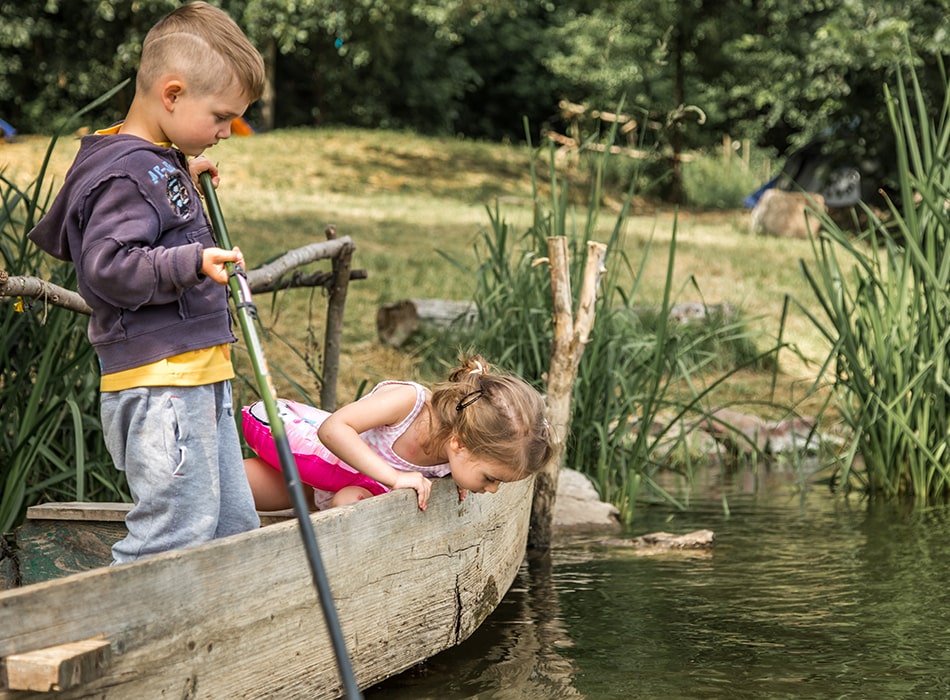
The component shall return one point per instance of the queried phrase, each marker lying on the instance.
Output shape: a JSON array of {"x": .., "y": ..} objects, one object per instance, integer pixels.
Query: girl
[{"x": 482, "y": 428}]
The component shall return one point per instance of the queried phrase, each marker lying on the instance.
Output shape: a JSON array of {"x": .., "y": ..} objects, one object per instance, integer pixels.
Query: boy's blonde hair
[
  {"x": 206, "y": 47},
  {"x": 496, "y": 417}
]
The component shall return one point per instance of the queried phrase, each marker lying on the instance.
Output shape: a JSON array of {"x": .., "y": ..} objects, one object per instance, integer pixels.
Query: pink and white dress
[{"x": 317, "y": 465}]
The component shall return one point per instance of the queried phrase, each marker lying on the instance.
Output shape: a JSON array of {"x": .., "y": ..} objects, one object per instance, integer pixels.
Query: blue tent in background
[
  {"x": 753, "y": 199},
  {"x": 9, "y": 133}
]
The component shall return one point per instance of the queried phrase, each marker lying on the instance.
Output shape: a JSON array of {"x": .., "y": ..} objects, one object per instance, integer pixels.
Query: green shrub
[
  {"x": 711, "y": 181},
  {"x": 51, "y": 445}
]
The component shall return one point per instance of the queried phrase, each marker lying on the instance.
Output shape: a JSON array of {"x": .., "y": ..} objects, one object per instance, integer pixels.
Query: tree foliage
[
  {"x": 59, "y": 55},
  {"x": 438, "y": 67},
  {"x": 777, "y": 72}
]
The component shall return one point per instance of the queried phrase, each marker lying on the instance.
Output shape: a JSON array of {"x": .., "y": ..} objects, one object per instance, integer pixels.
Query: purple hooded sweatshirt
[{"x": 130, "y": 219}]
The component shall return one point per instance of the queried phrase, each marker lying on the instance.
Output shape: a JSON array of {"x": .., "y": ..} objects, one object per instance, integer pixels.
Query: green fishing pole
[{"x": 241, "y": 294}]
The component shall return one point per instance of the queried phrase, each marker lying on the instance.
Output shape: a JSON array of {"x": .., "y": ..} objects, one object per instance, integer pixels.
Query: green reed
[
  {"x": 51, "y": 444},
  {"x": 644, "y": 381},
  {"x": 884, "y": 303}
]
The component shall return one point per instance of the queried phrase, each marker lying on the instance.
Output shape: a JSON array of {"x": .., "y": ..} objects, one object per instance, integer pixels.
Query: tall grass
[
  {"x": 50, "y": 443},
  {"x": 884, "y": 303},
  {"x": 644, "y": 381}
]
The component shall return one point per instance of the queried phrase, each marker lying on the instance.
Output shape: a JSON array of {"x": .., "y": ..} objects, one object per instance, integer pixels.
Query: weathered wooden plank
[
  {"x": 239, "y": 617},
  {"x": 79, "y": 510},
  {"x": 58, "y": 668},
  {"x": 112, "y": 512}
]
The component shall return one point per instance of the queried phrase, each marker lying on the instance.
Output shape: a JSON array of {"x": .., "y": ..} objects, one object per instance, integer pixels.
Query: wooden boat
[{"x": 240, "y": 617}]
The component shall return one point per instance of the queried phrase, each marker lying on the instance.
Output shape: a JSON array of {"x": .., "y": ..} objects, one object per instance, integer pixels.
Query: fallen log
[{"x": 398, "y": 321}]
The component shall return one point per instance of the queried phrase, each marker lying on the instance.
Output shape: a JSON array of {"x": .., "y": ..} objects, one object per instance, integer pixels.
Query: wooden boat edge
[{"x": 407, "y": 585}]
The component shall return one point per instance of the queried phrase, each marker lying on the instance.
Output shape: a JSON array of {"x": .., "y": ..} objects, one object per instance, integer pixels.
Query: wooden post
[
  {"x": 342, "y": 262},
  {"x": 570, "y": 337}
]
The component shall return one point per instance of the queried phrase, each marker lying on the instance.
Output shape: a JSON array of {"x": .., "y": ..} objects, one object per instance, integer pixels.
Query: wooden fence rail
[{"x": 282, "y": 273}]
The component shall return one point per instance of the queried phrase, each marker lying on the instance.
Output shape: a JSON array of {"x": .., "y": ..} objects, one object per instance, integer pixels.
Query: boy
[{"x": 130, "y": 219}]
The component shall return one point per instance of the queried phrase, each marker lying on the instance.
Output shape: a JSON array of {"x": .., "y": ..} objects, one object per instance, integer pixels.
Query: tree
[
  {"x": 818, "y": 68},
  {"x": 59, "y": 56},
  {"x": 439, "y": 66},
  {"x": 648, "y": 56},
  {"x": 775, "y": 71}
]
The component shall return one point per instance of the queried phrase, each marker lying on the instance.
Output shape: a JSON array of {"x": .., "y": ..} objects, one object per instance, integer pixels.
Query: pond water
[{"x": 804, "y": 595}]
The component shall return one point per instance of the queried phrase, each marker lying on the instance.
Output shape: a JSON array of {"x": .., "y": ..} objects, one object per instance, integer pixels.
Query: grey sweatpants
[{"x": 181, "y": 455}]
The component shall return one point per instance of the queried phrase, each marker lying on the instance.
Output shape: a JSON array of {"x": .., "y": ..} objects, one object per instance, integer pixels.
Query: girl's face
[{"x": 477, "y": 475}]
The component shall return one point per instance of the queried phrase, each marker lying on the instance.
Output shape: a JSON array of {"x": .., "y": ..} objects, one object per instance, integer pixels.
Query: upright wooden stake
[
  {"x": 570, "y": 337},
  {"x": 334, "y": 327}
]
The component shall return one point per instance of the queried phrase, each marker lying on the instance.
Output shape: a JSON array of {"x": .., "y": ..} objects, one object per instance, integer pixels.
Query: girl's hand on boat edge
[{"x": 415, "y": 480}]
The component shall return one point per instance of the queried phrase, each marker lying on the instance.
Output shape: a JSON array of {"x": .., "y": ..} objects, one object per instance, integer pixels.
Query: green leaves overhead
[{"x": 776, "y": 72}]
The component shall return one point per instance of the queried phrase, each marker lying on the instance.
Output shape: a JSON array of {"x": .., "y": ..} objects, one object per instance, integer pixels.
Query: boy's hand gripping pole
[{"x": 241, "y": 293}]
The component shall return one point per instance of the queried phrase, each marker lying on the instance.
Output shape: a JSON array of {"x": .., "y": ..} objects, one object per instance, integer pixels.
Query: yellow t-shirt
[{"x": 193, "y": 368}]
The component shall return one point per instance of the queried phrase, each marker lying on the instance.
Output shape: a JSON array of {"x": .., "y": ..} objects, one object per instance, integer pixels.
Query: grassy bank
[{"x": 407, "y": 201}]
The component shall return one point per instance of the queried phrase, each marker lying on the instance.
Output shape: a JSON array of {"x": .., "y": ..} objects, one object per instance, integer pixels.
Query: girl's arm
[{"x": 340, "y": 432}]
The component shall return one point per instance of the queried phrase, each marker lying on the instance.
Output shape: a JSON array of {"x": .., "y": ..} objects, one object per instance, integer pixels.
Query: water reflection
[
  {"x": 516, "y": 653},
  {"x": 805, "y": 595}
]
